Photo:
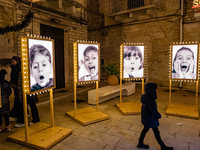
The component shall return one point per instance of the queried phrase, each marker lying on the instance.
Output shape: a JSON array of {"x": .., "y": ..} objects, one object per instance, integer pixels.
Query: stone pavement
[{"x": 119, "y": 132}]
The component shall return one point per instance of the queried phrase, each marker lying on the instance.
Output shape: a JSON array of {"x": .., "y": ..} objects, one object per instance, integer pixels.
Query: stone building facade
[
  {"x": 157, "y": 23},
  {"x": 64, "y": 20}
]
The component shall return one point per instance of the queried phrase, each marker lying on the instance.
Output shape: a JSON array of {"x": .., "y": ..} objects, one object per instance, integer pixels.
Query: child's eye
[
  {"x": 93, "y": 57},
  {"x": 44, "y": 65},
  {"x": 188, "y": 58},
  {"x": 35, "y": 66},
  {"x": 136, "y": 58}
]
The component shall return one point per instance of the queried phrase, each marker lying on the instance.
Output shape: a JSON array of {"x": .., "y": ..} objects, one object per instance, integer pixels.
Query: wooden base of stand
[
  {"x": 130, "y": 108},
  {"x": 41, "y": 136},
  {"x": 86, "y": 116},
  {"x": 182, "y": 110}
]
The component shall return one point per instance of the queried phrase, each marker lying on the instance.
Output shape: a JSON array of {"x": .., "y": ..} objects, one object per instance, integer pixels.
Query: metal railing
[{"x": 135, "y": 3}]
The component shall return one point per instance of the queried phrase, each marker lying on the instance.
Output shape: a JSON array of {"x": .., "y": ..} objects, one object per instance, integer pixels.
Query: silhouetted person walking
[{"x": 150, "y": 116}]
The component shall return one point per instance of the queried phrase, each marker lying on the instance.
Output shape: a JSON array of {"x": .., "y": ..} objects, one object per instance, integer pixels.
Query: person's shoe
[
  {"x": 11, "y": 119},
  {"x": 7, "y": 129},
  {"x": 167, "y": 148},
  {"x": 142, "y": 146},
  {"x": 31, "y": 123},
  {"x": 19, "y": 125}
]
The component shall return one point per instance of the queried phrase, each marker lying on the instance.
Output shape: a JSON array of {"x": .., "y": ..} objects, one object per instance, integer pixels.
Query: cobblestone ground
[{"x": 119, "y": 132}]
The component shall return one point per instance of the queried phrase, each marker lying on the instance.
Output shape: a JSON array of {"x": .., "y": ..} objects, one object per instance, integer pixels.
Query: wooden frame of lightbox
[
  {"x": 29, "y": 71},
  {"x": 39, "y": 132},
  {"x": 182, "y": 79},
  {"x": 125, "y": 108},
  {"x": 88, "y": 115}
]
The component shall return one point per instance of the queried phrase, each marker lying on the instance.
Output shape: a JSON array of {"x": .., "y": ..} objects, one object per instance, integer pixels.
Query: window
[{"x": 135, "y": 3}]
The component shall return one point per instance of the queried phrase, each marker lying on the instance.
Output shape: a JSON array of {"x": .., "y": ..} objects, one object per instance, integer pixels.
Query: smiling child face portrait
[
  {"x": 184, "y": 59},
  {"x": 132, "y": 62},
  {"x": 91, "y": 62},
  {"x": 41, "y": 69}
]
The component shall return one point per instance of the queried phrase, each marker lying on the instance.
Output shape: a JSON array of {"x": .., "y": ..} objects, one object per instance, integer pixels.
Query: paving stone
[
  {"x": 121, "y": 132},
  {"x": 90, "y": 134},
  {"x": 109, "y": 139},
  {"x": 85, "y": 144}
]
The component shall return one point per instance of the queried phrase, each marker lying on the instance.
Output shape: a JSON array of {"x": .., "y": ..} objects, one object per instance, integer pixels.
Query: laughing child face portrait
[
  {"x": 183, "y": 65},
  {"x": 40, "y": 65},
  {"x": 91, "y": 60}
]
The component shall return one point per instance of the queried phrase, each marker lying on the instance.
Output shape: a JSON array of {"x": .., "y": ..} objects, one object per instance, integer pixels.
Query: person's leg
[
  {"x": 142, "y": 135},
  {"x": 14, "y": 110},
  {"x": 20, "y": 116},
  {"x": 157, "y": 136},
  {"x": 7, "y": 127},
  {"x": 0, "y": 122},
  {"x": 6, "y": 117},
  {"x": 34, "y": 112},
  {"x": 159, "y": 140}
]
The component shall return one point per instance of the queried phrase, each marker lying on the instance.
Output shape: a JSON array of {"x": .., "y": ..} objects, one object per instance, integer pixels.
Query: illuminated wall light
[
  {"x": 27, "y": 34},
  {"x": 38, "y": 36},
  {"x": 134, "y": 43},
  {"x": 80, "y": 40},
  {"x": 182, "y": 42},
  {"x": 189, "y": 42},
  {"x": 34, "y": 35},
  {"x": 31, "y": 35},
  {"x": 192, "y": 41},
  {"x": 176, "y": 42},
  {"x": 179, "y": 42}
]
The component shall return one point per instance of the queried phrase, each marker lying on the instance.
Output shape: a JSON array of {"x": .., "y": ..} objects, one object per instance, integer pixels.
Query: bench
[{"x": 108, "y": 92}]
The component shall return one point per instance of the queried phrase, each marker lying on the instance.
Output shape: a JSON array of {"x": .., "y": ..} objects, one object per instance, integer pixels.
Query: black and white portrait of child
[
  {"x": 88, "y": 61},
  {"x": 133, "y": 61},
  {"x": 184, "y": 61},
  {"x": 41, "y": 64}
]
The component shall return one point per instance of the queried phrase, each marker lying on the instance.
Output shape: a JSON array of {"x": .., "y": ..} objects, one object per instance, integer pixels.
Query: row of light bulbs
[
  {"x": 185, "y": 42},
  {"x": 39, "y": 92},
  {"x": 184, "y": 80},
  {"x": 134, "y": 43},
  {"x": 44, "y": 37},
  {"x": 87, "y": 41}
]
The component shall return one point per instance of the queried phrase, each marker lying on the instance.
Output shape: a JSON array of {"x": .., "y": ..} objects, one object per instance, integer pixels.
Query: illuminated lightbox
[
  {"x": 41, "y": 64},
  {"x": 184, "y": 61},
  {"x": 133, "y": 61},
  {"x": 88, "y": 62}
]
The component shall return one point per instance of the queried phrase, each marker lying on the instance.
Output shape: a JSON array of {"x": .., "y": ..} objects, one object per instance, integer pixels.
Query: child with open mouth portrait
[
  {"x": 133, "y": 62},
  {"x": 40, "y": 67},
  {"x": 90, "y": 63},
  {"x": 184, "y": 64}
]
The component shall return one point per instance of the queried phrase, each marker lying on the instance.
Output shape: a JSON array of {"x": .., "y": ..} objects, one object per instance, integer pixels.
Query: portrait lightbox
[
  {"x": 41, "y": 64},
  {"x": 88, "y": 62},
  {"x": 184, "y": 61},
  {"x": 133, "y": 61}
]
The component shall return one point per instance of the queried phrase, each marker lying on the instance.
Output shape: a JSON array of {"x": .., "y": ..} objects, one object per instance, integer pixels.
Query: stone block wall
[
  {"x": 158, "y": 34},
  {"x": 10, "y": 42}
]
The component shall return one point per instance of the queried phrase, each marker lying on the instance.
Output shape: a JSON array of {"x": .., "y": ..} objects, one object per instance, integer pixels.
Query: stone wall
[
  {"x": 158, "y": 34},
  {"x": 10, "y": 42}
]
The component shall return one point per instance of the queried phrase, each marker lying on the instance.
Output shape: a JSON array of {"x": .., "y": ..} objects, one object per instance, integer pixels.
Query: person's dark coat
[
  {"x": 5, "y": 93},
  {"x": 149, "y": 112},
  {"x": 14, "y": 76}
]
